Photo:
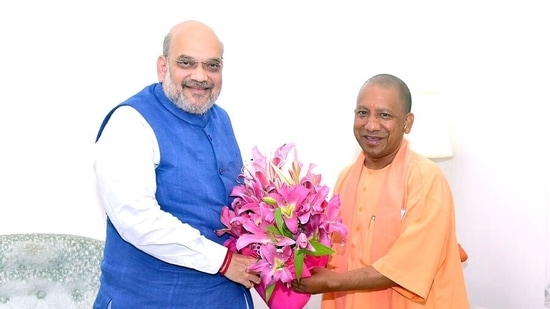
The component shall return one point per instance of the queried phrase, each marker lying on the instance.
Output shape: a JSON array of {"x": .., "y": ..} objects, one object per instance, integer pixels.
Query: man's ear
[
  {"x": 409, "y": 121},
  {"x": 162, "y": 67}
]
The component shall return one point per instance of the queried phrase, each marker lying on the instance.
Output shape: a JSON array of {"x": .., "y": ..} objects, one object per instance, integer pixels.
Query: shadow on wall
[{"x": 547, "y": 296}]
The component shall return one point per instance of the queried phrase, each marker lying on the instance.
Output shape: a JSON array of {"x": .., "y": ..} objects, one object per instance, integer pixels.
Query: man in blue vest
[{"x": 166, "y": 162}]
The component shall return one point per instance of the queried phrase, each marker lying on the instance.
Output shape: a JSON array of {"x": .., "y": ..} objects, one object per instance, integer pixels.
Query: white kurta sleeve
[{"x": 126, "y": 157}]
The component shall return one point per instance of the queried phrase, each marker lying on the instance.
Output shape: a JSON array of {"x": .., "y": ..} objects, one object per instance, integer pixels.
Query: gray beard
[{"x": 174, "y": 93}]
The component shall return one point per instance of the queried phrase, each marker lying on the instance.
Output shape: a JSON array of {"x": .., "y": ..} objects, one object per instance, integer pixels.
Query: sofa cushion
[{"x": 49, "y": 270}]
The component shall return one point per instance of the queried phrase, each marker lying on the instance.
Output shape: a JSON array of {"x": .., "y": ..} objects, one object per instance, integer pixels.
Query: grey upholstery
[{"x": 49, "y": 271}]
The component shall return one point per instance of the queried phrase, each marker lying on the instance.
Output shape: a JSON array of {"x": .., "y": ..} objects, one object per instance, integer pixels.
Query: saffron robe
[{"x": 401, "y": 221}]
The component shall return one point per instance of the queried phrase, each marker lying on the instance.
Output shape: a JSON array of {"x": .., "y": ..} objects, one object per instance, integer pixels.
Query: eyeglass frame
[{"x": 194, "y": 63}]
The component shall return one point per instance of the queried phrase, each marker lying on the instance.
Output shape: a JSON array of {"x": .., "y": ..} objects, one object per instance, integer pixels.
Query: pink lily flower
[
  {"x": 288, "y": 199},
  {"x": 258, "y": 234},
  {"x": 273, "y": 266},
  {"x": 284, "y": 219},
  {"x": 233, "y": 228}
]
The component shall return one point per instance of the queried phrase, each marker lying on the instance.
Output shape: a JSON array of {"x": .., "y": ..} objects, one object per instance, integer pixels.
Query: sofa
[{"x": 50, "y": 271}]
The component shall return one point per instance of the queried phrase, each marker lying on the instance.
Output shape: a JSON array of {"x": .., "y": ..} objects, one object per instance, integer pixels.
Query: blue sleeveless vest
[{"x": 199, "y": 165}]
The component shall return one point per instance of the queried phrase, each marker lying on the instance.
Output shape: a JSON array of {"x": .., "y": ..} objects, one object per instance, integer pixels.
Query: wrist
[{"x": 226, "y": 262}]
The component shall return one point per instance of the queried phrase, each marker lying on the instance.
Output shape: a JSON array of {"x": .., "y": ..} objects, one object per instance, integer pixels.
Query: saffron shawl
[{"x": 388, "y": 216}]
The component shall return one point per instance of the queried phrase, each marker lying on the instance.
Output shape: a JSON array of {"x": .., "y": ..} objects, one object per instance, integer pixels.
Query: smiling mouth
[
  {"x": 372, "y": 141},
  {"x": 198, "y": 89},
  {"x": 373, "y": 138},
  {"x": 197, "y": 85}
]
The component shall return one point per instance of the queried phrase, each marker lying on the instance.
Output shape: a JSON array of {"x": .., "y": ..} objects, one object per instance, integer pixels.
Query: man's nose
[
  {"x": 199, "y": 73},
  {"x": 372, "y": 123}
]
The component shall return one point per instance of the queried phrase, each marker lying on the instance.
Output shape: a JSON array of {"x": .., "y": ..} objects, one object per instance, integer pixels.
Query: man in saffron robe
[
  {"x": 166, "y": 162},
  {"x": 401, "y": 251}
]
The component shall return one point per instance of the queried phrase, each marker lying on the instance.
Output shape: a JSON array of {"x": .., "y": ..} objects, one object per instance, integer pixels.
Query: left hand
[
  {"x": 317, "y": 283},
  {"x": 238, "y": 270}
]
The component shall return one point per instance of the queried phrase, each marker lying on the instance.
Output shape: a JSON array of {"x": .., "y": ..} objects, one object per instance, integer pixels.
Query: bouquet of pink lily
[{"x": 282, "y": 216}]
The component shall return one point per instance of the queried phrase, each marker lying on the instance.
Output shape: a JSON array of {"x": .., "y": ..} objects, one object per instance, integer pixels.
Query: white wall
[{"x": 293, "y": 69}]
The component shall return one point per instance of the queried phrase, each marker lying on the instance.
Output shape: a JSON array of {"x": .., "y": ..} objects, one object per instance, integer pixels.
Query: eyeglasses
[{"x": 188, "y": 63}]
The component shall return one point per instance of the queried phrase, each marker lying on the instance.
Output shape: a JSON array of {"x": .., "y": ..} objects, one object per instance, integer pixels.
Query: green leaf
[
  {"x": 299, "y": 256},
  {"x": 272, "y": 229},
  {"x": 280, "y": 224},
  {"x": 268, "y": 291},
  {"x": 320, "y": 249},
  {"x": 279, "y": 220}
]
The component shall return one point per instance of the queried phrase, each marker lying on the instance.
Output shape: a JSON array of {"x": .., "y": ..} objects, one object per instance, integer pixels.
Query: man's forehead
[{"x": 195, "y": 39}]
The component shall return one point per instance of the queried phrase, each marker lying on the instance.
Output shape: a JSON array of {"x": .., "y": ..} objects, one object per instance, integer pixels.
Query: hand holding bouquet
[{"x": 281, "y": 214}]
